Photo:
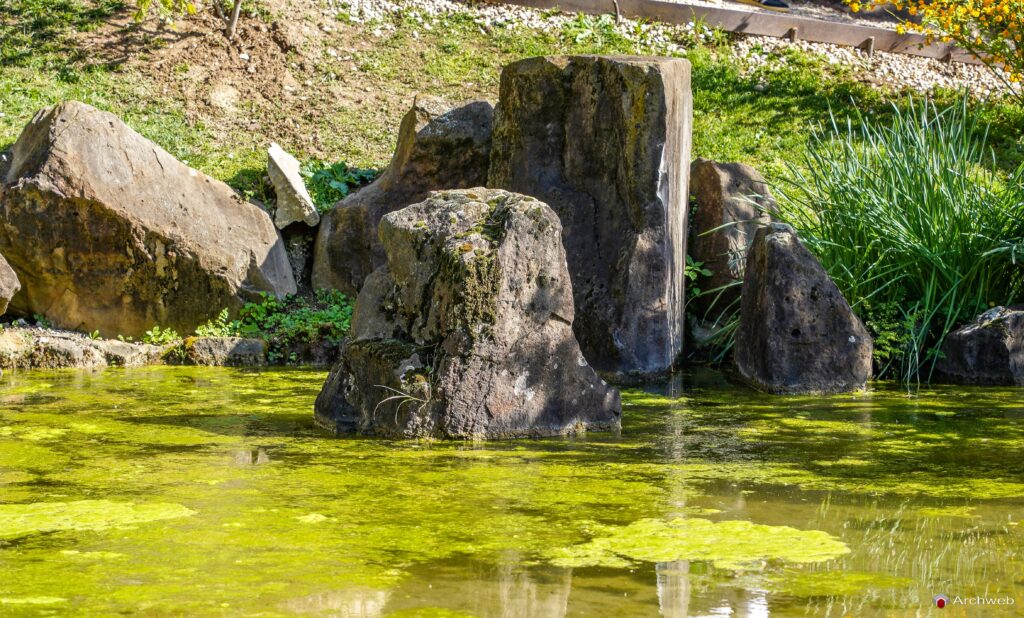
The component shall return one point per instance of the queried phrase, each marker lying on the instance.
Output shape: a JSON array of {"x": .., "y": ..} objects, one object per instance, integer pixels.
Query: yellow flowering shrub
[{"x": 990, "y": 29}]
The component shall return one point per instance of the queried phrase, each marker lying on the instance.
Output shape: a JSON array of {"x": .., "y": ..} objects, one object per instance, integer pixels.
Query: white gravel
[{"x": 756, "y": 54}]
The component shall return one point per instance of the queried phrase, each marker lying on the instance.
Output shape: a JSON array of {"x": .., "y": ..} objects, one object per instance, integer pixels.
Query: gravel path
[
  {"x": 764, "y": 54},
  {"x": 813, "y": 10}
]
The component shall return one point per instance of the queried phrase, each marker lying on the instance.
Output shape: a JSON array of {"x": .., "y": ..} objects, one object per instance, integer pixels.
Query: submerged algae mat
[{"x": 197, "y": 491}]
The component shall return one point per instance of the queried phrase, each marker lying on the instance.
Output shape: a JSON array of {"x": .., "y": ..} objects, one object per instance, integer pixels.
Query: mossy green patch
[
  {"x": 737, "y": 545},
  {"x": 833, "y": 583},
  {"x": 21, "y": 519},
  {"x": 286, "y": 519}
]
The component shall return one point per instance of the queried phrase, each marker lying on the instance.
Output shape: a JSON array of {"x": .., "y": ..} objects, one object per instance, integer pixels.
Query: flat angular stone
[{"x": 294, "y": 203}]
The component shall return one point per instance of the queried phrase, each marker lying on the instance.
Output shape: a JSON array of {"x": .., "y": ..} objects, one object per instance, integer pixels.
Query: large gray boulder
[
  {"x": 606, "y": 142},
  {"x": 731, "y": 201},
  {"x": 466, "y": 332},
  {"x": 797, "y": 334},
  {"x": 9, "y": 284},
  {"x": 108, "y": 231},
  {"x": 989, "y": 350},
  {"x": 439, "y": 147}
]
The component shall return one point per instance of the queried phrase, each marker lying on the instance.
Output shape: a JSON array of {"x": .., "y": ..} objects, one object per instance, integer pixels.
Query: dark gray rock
[
  {"x": 9, "y": 284},
  {"x": 989, "y": 350},
  {"x": 466, "y": 332},
  {"x": 731, "y": 201},
  {"x": 797, "y": 334},
  {"x": 108, "y": 231},
  {"x": 606, "y": 142},
  {"x": 226, "y": 351},
  {"x": 439, "y": 147}
]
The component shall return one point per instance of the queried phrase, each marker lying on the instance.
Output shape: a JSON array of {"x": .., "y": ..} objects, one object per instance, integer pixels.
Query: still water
[{"x": 197, "y": 491}]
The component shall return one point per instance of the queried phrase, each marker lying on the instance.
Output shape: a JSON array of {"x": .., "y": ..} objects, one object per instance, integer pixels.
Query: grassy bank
[{"x": 356, "y": 81}]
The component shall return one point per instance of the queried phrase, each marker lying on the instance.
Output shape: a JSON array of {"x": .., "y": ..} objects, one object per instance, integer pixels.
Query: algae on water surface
[{"x": 199, "y": 490}]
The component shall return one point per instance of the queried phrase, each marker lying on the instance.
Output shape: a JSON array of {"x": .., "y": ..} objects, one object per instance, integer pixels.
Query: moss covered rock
[{"x": 466, "y": 332}]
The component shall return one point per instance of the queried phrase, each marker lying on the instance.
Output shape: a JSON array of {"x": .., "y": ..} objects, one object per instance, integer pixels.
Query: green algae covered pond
[{"x": 198, "y": 491}]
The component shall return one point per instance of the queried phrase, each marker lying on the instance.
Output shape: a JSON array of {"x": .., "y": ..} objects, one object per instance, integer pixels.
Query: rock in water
[
  {"x": 294, "y": 203},
  {"x": 731, "y": 202},
  {"x": 225, "y": 351},
  {"x": 438, "y": 148},
  {"x": 9, "y": 284},
  {"x": 797, "y": 334},
  {"x": 989, "y": 350},
  {"x": 466, "y": 332},
  {"x": 606, "y": 142},
  {"x": 107, "y": 231}
]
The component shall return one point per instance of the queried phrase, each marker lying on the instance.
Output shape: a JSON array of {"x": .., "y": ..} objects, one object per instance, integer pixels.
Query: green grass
[
  {"x": 734, "y": 120},
  {"x": 914, "y": 222}
]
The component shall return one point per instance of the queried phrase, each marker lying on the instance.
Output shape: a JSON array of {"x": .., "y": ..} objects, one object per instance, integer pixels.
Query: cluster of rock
[
  {"x": 507, "y": 257},
  {"x": 502, "y": 322},
  {"x": 796, "y": 332},
  {"x": 26, "y": 347}
]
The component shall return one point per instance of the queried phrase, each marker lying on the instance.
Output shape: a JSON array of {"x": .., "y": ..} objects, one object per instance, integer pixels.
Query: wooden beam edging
[{"x": 761, "y": 24}]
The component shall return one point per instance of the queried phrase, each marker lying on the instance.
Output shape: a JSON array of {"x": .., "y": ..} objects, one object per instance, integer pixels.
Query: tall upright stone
[
  {"x": 439, "y": 147},
  {"x": 731, "y": 202},
  {"x": 605, "y": 141}
]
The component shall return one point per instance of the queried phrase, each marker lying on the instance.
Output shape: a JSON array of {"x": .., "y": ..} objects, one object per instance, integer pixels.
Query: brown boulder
[
  {"x": 989, "y": 350},
  {"x": 466, "y": 332},
  {"x": 439, "y": 147},
  {"x": 731, "y": 201},
  {"x": 797, "y": 334},
  {"x": 9, "y": 284},
  {"x": 606, "y": 142},
  {"x": 108, "y": 231}
]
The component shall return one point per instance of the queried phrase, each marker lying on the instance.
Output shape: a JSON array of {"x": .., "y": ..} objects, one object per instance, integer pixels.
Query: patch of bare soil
[{"x": 289, "y": 75}]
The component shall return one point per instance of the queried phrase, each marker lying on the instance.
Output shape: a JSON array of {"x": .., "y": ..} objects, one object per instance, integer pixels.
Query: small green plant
[
  {"x": 598, "y": 31},
  {"x": 94, "y": 335},
  {"x": 296, "y": 320},
  {"x": 41, "y": 321},
  {"x": 160, "y": 336},
  {"x": 221, "y": 326},
  {"x": 329, "y": 183},
  {"x": 693, "y": 271}
]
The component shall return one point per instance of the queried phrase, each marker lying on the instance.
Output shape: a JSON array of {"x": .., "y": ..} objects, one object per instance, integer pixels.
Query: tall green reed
[{"x": 914, "y": 222}]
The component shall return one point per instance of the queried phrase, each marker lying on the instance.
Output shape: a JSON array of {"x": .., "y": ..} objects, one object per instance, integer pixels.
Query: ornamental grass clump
[{"x": 914, "y": 222}]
